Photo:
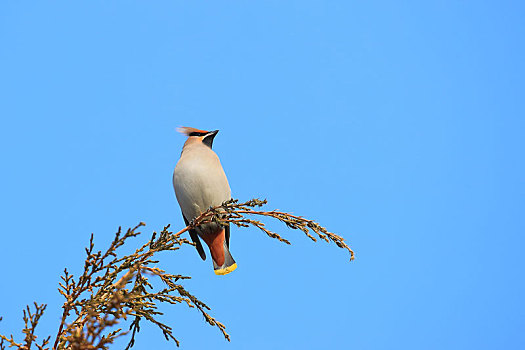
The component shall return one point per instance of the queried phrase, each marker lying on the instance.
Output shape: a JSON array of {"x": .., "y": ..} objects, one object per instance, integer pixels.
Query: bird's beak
[{"x": 213, "y": 133}]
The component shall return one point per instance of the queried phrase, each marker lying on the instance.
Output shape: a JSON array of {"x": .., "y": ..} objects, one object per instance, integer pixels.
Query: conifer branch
[{"x": 114, "y": 288}]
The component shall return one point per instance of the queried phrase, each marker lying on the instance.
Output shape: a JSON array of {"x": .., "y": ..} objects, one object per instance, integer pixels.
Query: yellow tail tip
[{"x": 226, "y": 270}]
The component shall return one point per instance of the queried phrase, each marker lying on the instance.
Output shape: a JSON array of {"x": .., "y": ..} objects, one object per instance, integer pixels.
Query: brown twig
[{"x": 112, "y": 288}]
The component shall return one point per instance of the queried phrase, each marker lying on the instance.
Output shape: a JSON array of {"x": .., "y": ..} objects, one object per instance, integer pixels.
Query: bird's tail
[
  {"x": 229, "y": 264},
  {"x": 223, "y": 262}
]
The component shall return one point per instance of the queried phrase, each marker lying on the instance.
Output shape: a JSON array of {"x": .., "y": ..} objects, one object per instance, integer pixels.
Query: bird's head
[{"x": 196, "y": 135}]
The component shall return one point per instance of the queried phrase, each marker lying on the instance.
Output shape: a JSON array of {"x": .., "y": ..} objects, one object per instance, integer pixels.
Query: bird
[{"x": 199, "y": 182}]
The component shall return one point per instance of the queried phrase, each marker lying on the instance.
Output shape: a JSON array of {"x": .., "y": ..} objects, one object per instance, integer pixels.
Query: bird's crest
[{"x": 186, "y": 130}]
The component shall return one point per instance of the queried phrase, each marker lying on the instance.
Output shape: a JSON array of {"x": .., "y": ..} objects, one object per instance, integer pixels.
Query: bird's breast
[{"x": 199, "y": 182}]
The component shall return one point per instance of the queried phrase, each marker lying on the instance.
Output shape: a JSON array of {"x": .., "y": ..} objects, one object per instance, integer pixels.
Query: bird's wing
[
  {"x": 227, "y": 231},
  {"x": 195, "y": 238}
]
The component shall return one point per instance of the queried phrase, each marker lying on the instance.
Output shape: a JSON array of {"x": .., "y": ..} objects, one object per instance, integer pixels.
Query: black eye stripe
[{"x": 197, "y": 134}]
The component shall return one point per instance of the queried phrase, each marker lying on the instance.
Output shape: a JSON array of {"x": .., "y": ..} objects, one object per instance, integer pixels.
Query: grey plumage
[{"x": 200, "y": 182}]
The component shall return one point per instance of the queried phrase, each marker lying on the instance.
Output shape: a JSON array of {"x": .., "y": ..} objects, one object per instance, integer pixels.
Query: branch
[
  {"x": 234, "y": 212},
  {"x": 113, "y": 287}
]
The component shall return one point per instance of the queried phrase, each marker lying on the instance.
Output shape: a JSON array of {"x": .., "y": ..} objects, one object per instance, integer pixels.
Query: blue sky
[{"x": 399, "y": 125}]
